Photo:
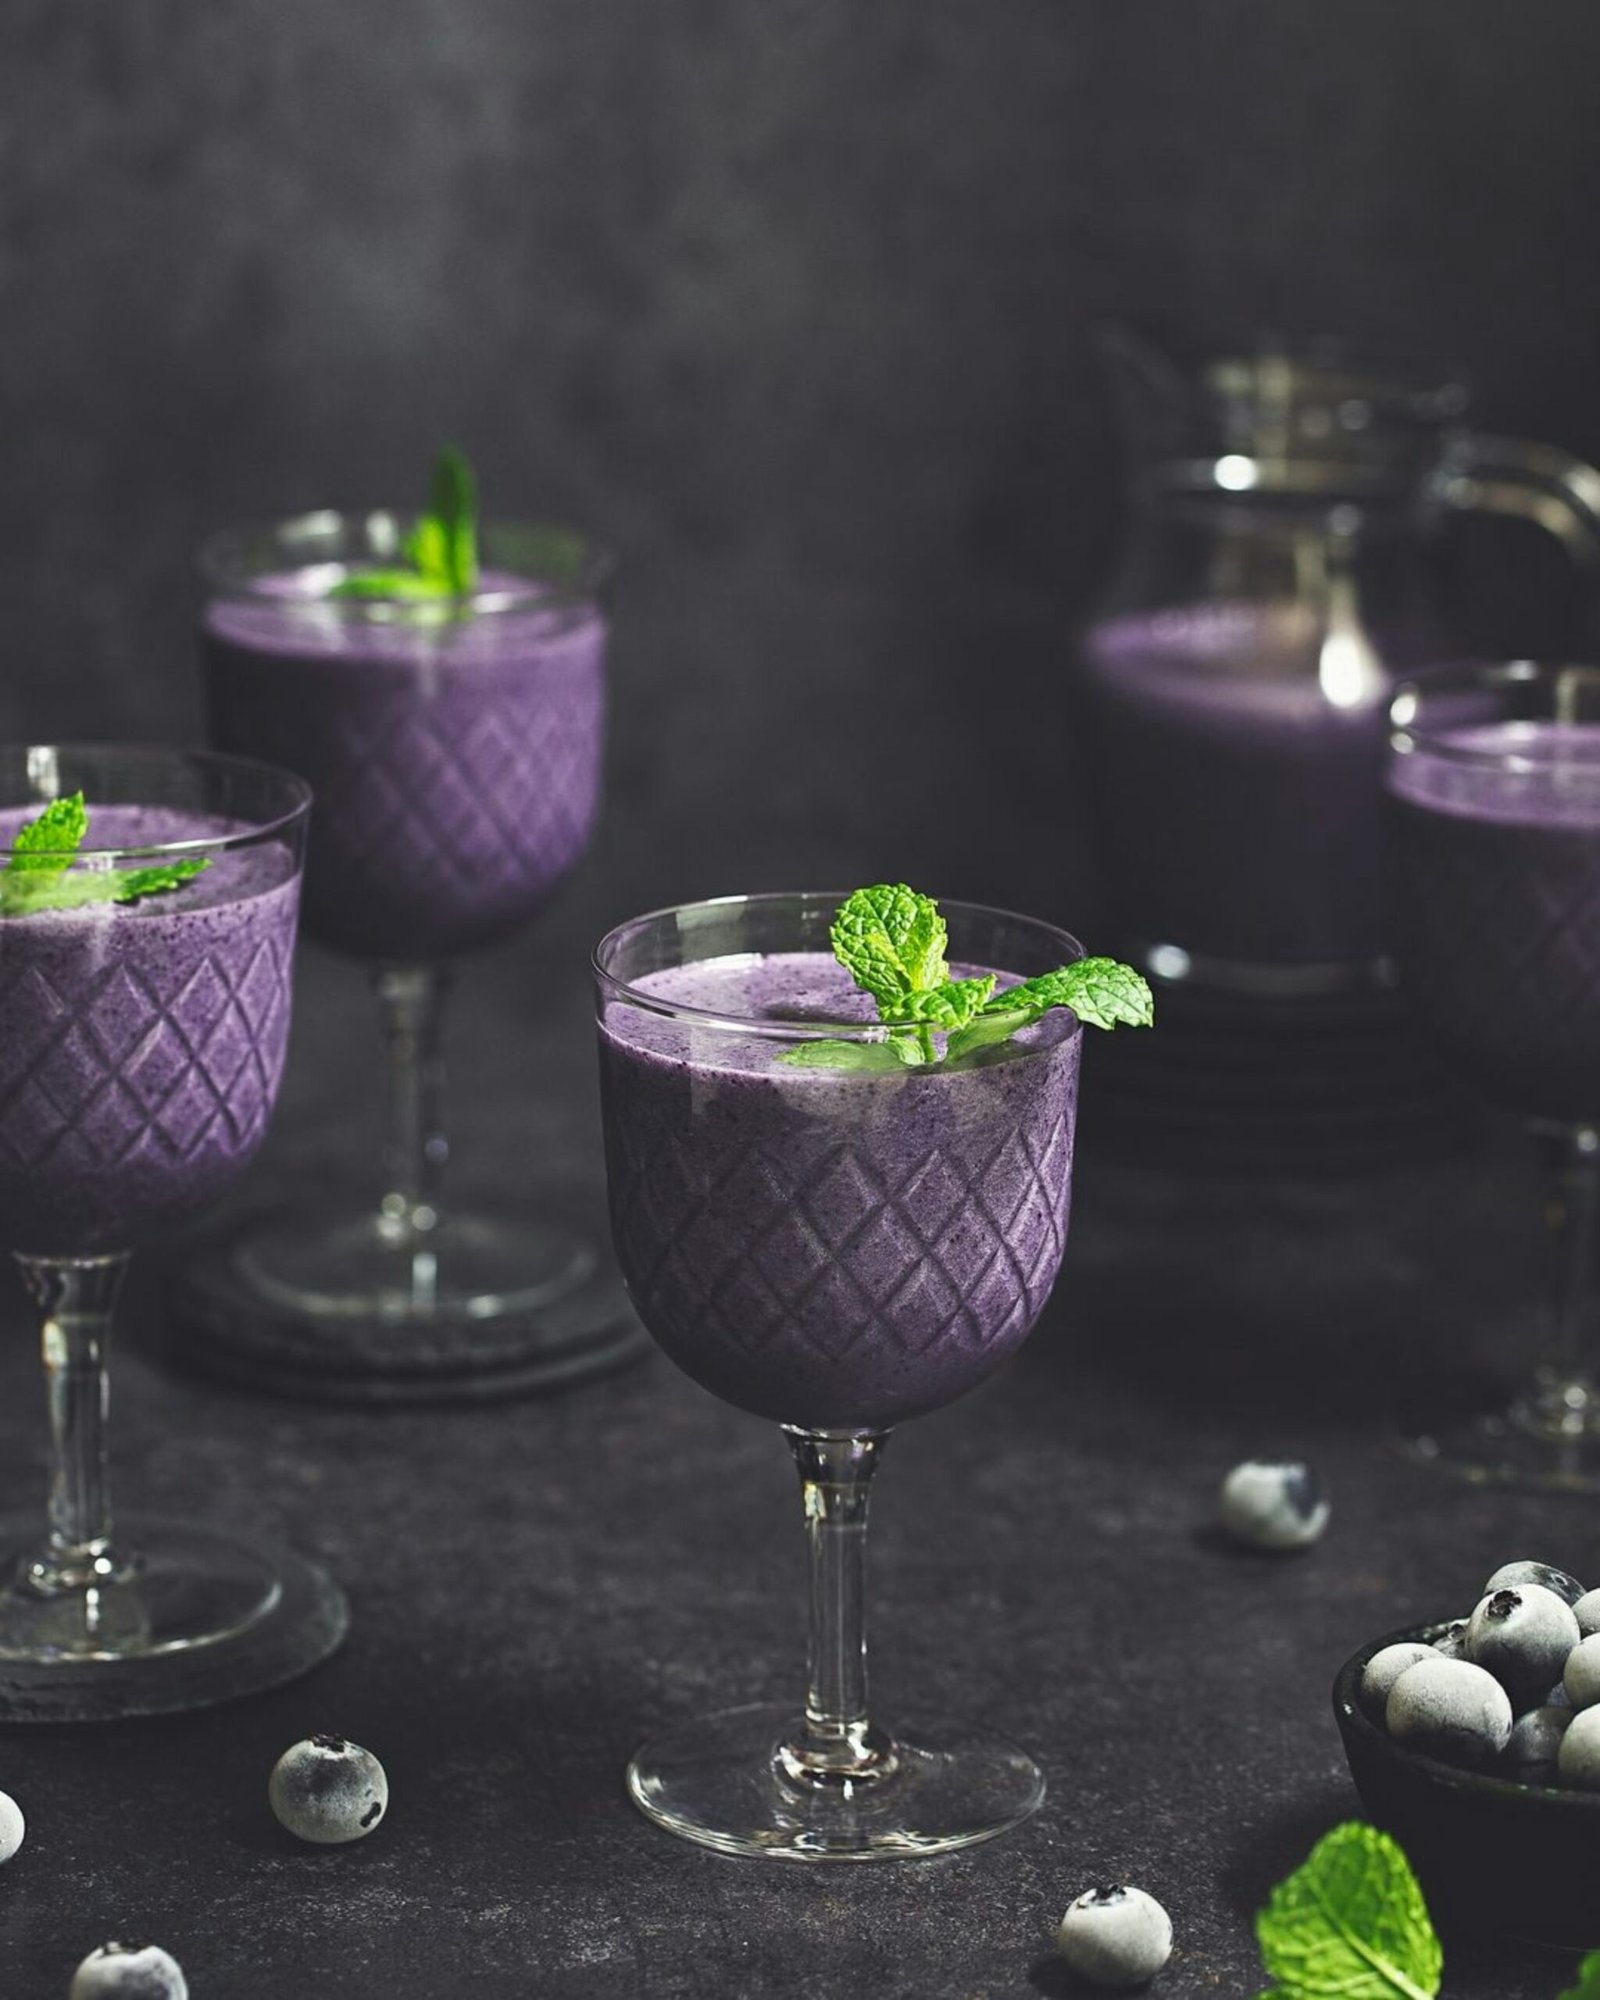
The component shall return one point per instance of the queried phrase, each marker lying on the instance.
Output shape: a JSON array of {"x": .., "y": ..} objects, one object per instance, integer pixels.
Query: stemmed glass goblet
[
  {"x": 836, "y": 1250},
  {"x": 1493, "y": 824},
  {"x": 454, "y": 747},
  {"x": 141, "y": 1047}
]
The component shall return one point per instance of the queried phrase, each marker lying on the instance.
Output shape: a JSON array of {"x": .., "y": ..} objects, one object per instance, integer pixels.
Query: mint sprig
[
  {"x": 1350, "y": 1924},
  {"x": 40, "y": 876},
  {"x": 892, "y": 941},
  {"x": 1588, "y": 1986},
  {"x": 442, "y": 549}
]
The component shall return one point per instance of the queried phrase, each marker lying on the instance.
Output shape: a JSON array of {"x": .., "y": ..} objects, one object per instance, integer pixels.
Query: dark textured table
[{"x": 537, "y": 1585}]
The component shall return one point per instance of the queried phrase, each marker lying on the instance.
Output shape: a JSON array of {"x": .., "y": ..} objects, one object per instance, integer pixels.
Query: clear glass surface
[
  {"x": 454, "y": 750},
  {"x": 1493, "y": 825},
  {"x": 835, "y": 1250},
  {"x": 141, "y": 1046}
]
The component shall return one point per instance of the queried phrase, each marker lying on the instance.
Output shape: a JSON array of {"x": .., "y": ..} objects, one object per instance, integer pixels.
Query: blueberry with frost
[
  {"x": 1272, "y": 1504},
  {"x": 1511, "y": 1576},
  {"x": 129, "y": 1972},
  {"x": 1450, "y": 1709},
  {"x": 1386, "y": 1667},
  {"x": 1452, "y": 1641},
  {"x": 1587, "y": 1613},
  {"x": 1581, "y": 1674},
  {"x": 1578, "y": 1759},
  {"x": 1530, "y": 1754},
  {"x": 12, "y": 1826},
  {"x": 1522, "y": 1637},
  {"x": 1115, "y": 1936},
  {"x": 328, "y": 1790}
]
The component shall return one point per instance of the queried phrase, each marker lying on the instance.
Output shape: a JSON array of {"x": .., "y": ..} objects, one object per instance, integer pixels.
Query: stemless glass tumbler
[
  {"x": 835, "y": 1250},
  {"x": 141, "y": 1046},
  {"x": 454, "y": 748},
  {"x": 1493, "y": 804}
]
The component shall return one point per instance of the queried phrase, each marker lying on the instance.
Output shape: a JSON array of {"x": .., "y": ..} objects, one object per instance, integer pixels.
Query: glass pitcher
[{"x": 1276, "y": 586}]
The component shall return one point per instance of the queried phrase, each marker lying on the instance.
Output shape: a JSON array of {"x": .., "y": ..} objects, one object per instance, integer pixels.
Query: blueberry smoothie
[
  {"x": 1238, "y": 768},
  {"x": 455, "y": 755},
  {"x": 834, "y": 1250},
  {"x": 141, "y": 1044},
  {"x": 1496, "y": 906}
]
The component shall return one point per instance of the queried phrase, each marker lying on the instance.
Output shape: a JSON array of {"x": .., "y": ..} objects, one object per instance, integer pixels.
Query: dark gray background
[
  {"x": 789, "y": 300},
  {"x": 793, "y": 304}
]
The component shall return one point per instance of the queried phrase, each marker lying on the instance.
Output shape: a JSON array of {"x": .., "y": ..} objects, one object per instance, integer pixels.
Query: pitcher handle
[{"x": 1535, "y": 482}]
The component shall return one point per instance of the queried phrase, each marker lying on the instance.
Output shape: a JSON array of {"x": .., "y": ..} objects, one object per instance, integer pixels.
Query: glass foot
[
  {"x": 1549, "y": 1437},
  {"x": 468, "y": 1267},
  {"x": 195, "y": 1619},
  {"x": 718, "y": 1781},
  {"x": 330, "y": 1312}
]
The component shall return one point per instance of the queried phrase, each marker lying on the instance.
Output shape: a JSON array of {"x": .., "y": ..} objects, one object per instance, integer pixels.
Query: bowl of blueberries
[{"x": 1475, "y": 1741}]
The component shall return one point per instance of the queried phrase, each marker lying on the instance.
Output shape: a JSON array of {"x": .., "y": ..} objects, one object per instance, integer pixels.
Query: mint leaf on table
[
  {"x": 40, "y": 875},
  {"x": 1350, "y": 1924},
  {"x": 1588, "y": 1986},
  {"x": 442, "y": 549}
]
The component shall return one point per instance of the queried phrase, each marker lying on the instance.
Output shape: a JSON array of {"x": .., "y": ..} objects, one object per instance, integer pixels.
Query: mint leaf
[
  {"x": 1351, "y": 1923},
  {"x": 949, "y": 1006},
  {"x": 40, "y": 875},
  {"x": 891, "y": 942},
  {"x": 46, "y": 845},
  {"x": 891, "y": 1055},
  {"x": 1588, "y": 1986},
  {"x": 1102, "y": 993},
  {"x": 442, "y": 548}
]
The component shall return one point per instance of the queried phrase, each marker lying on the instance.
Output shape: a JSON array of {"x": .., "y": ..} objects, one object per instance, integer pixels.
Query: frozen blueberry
[
  {"x": 12, "y": 1827},
  {"x": 1450, "y": 1709},
  {"x": 1530, "y": 1754},
  {"x": 1578, "y": 1759},
  {"x": 1272, "y": 1505},
  {"x": 1386, "y": 1667},
  {"x": 1511, "y": 1576},
  {"x": 1522, "y": 1637},
  {"x": 129, "y": 1972},
  {"x": 328, "y": 1789},
  {"x": 1587, "y": 1612},
  {"x": 1581, "y": 1674},
  {"x": 1115, "y": 1936},
  {"x": 1452, "y": 1641}
]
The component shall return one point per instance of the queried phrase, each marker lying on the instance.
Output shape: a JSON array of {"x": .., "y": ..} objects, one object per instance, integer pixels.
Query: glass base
[
  {"x": 717, "y": 1781},
  {"x": 195, "y": 1619},
  {"x": 467, "y": 1268},
  {"x": 328, "y": 1311},
  {"x": 1547, "y": 1437}
]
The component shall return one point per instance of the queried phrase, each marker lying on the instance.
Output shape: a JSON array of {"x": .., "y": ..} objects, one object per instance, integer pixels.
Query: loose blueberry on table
[
  {"x": 328, "y": 1790},
  {"x": 1115, "y": 1936},
  {"x": 129, "y": 1972}
]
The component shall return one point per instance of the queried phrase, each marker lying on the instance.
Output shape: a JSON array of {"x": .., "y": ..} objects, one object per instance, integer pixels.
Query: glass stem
[
  {"x": 837, "y": 1748},
  {"x": 1567, "y": 1398},
  {"x": 75, "y": 1297},
  {"x": 411, "y": 1002}
]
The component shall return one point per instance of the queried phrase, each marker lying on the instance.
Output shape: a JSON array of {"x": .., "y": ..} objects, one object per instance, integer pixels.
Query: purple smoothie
[
  {"x": 830, "y": 1249},
  {"x": 141, "y": 1045},
  {"x": 1237, "y": 784},
  {"x": 455, "y": 760},
  {"x": 1496, "y": 908}
]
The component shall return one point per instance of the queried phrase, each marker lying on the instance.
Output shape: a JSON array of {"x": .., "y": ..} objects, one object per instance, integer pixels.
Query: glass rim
[
  {"x": 172, "y": 753},
  {"x": 1407, "y": 736},
  {"x": 220, "y": 554},
  {"x": 783, "y": 1031}
]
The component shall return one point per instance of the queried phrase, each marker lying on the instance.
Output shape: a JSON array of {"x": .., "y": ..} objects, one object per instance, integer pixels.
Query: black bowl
[{"x": 1491, "y": 1855}]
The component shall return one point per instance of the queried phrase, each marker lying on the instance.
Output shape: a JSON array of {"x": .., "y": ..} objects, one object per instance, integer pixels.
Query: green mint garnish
[
  {"x": 40, "y": 875},
  {"x": 442, "y": 550},
  {"x": 1588, "y": 1986},
  {"x": 1350, "y": 1922},
  {"x": 892, "y": 942}
]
